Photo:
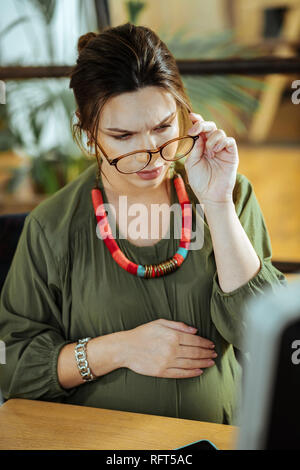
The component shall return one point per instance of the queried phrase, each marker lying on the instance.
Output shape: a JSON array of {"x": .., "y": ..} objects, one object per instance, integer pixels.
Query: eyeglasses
[{"x": 136, "y": 161}]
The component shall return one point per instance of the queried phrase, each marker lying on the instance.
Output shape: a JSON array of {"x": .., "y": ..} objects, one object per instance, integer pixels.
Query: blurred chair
[{"x": 11, "y": 226}]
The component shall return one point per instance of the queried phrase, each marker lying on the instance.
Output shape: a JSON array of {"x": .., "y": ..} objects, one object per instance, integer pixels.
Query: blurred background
[{"x": 260, "y": 110}]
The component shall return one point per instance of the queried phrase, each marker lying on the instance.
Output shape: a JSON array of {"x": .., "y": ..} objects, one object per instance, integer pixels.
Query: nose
[
  {"x": 151, "y": 143},
  {"x": 156, "y": 159},
  {"x": 148, "y": 142}
]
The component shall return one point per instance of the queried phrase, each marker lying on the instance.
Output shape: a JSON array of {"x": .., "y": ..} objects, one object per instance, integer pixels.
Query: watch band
[{"x": 81, "y": 360}]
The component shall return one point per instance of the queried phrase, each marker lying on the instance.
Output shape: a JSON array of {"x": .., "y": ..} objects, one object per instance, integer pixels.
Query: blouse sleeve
[
  {"x": 227, "y": 309},
  {"x": 30, "y": 320}
]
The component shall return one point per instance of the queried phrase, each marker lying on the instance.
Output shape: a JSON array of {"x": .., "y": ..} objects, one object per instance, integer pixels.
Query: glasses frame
[{"x": 150, "y": 152}]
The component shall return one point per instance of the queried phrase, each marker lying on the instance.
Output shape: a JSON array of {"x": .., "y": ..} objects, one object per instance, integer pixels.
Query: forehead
[{"x": 138, "y": 109}]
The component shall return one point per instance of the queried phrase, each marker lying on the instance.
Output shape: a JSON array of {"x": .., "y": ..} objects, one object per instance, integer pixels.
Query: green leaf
[{"x": 134, "y": 9}]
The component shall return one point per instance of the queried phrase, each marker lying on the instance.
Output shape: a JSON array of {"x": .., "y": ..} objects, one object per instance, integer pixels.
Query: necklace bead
[{"x": 152, "y": 270}]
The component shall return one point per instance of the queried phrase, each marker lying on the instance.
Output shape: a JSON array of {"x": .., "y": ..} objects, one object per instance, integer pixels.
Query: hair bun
[{"x": 84, "y": 40}]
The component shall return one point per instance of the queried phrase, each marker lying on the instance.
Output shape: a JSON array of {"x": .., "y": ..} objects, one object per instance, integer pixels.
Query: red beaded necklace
[{"x": 152, "y": 270}]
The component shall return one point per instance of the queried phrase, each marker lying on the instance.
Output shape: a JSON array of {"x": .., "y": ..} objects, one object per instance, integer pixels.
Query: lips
[
  {"x": 152, "y": 170},
  {"x": 150, "y": 174}
]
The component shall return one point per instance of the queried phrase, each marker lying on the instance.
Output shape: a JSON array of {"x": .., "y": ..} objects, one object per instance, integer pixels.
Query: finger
[
  {"x": 194, "y": 340},
  {"x": 219, "y": 145},
  {"x": 216, "y": 140},
  {"x": 177, "y": 325},
  {"x": 206, "y": 127},
  {"x": 216, "y": 137},
  {"x": 193, "y": 363},
  {"x": 195, "y": 352},
  {"x": 196, "y": 117},
  {"x": 230, "y": 144},
  {"x": 175, "y": 373}
]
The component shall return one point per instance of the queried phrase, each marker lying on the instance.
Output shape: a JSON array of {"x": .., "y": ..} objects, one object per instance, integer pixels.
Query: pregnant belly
[{"x": 210, "y": 397}]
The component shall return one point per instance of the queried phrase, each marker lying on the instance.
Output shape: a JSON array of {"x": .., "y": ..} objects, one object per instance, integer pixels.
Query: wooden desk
[{"x": 30, "y": 424}]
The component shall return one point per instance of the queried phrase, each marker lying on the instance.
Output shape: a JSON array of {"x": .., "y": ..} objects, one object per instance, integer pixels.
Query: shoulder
[{"x": 65, "y": 212}]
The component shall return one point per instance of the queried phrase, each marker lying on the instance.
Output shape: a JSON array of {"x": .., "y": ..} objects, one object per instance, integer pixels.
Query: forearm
[
  {"x": 236, "y": 259},
  {"x": 104, "y": 353}
]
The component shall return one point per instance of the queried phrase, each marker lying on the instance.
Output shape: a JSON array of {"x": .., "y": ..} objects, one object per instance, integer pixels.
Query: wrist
[
  {"x": 122, "y": 352},
  {"x": 217, "y": 206},
  {"x": 120, "y": 348},
  {"x": 106, "y": 353},
  {"x": 226, "y": 199}
]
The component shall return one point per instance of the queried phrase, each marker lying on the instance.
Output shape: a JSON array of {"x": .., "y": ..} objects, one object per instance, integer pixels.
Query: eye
[
  {"x": 124, "y": 136},
  {"x": 163, "y": 127},
  {"x": 120, "y": 137}
]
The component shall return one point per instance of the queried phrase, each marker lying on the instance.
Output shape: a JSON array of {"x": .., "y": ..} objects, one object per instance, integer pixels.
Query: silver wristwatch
[{"x": 81, "y": 360}]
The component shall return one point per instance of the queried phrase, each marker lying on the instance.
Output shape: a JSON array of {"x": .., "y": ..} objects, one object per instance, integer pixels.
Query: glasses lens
[
  {"x": 178, "y": 149},
  {"x": 133, "y": 163}
]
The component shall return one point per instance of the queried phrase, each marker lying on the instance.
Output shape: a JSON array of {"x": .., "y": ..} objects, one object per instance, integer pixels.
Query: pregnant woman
[{"x": 136, "y": 319}]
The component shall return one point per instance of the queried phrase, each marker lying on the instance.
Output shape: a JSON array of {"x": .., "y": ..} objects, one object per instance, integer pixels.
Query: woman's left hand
[{"x": 212, "y": 165}]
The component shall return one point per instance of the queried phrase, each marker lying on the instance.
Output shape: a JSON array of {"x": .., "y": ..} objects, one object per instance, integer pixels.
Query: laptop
[{"x": 269, "y": 416}]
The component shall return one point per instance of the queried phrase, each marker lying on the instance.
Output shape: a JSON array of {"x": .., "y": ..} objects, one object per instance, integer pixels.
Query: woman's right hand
[{"x": 165, "y": 348}]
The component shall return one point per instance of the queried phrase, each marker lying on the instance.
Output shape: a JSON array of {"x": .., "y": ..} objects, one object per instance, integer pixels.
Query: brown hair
[{"x": 118, "y": 60}]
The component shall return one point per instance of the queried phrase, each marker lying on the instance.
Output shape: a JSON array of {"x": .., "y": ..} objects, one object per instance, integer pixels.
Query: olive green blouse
[{"x": 64, "y": 285}]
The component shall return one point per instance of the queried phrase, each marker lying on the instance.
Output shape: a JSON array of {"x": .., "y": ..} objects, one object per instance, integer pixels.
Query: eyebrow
[{"x": 115, "y": 129}]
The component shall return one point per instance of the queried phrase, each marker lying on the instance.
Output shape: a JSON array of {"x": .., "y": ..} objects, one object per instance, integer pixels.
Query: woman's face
[{"x": 143, "y": 119}]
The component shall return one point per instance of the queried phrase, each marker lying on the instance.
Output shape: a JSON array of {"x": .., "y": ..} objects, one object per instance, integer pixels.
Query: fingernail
[
  {"x": 191, "y": 328},
  {"x": 211, "y": 361}
]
